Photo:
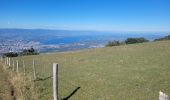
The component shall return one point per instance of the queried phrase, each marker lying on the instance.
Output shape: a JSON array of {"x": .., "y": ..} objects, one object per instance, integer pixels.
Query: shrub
[
  {"x": 164, "y": 38},
  {"x": 30, "y": 51},
  {"x": 135, "y": 40},
  {"x": 11, "y": 54}
]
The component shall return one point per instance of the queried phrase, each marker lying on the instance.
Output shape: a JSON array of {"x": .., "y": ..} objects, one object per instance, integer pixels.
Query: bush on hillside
[
  {"x": 164, "y": 38},
  {"x": 30, "y": 51},
  {"x": 10, "y": 54},
  {"x": 135, "y": 40}
]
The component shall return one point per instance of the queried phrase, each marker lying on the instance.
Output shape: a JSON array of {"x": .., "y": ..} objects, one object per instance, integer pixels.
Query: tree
[{"x": 30, "y": 51}]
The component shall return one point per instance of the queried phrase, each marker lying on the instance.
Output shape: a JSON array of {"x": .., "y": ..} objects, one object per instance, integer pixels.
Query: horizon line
[{"x": 53, "y": 29}]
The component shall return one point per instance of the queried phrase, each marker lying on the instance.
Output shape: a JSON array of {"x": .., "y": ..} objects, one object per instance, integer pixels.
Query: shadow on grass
[
  {"x": 66, "y": 98},
  {"x": 43, "y": 79}
]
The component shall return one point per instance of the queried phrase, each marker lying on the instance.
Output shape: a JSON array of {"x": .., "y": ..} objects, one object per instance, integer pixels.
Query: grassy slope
[
  {"x": 132, "y": 72},
  {"x": 5, "y": 86},
  {"x": 16, "y": 86}
]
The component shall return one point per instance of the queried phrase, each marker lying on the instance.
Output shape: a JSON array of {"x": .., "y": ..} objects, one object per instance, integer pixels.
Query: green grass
[{"x": 130, "y": 72}]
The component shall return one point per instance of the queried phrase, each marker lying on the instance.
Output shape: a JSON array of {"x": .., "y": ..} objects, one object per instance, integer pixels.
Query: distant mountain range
[{"x": 62, "y": 40}]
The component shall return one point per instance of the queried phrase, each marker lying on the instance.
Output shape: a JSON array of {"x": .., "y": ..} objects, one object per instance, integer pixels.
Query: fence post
[
  {"x": 55, "y": 81},
  {"x": 17, "y": 66},
  {"x": 163, "y": 96},
  {"x": 24, "y": 67},
  {"x": 13, "y": 65},
  {"x": 34, "y": 71},
  {"x": 9, "y": 61}
]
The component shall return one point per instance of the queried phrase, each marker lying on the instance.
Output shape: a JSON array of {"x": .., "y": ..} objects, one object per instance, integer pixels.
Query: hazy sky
[{"x": 105, "y": 15}]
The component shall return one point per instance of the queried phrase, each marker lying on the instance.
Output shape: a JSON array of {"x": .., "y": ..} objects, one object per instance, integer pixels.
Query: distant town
[
  {"x": 19, "y": 45},
  {"x": 15, "y": 40}
]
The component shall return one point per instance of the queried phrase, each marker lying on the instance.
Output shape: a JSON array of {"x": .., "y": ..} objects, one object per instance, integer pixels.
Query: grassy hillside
[
  {"x": 130, "y": 72},
  {"x": 5, "y": 86}
]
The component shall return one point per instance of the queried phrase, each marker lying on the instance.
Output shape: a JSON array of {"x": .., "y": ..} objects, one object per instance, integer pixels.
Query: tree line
[
  {"x": 133, "y": 41},
  {"x": 164, "y": 38},
  {"x": 127, "y": 41},
  {"x": 29, "y": 51}
]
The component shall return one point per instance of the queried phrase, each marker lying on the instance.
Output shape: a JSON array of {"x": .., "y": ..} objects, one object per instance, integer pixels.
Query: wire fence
[
  {"x": 43, "y": 73},
  {"x": 69, "y": 84}
]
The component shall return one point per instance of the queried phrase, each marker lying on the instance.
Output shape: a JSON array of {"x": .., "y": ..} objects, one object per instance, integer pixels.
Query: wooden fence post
[
  {"x": 9, "y": 61},
  {"x": 163, "y": 96},
  {"x": 13, "y": 64},
  {"x": 24, "y": 67},
  {"x": 34, "y": 70},
  {"x": 55, "y": 81},
  {"x": 17, "y": 66}
]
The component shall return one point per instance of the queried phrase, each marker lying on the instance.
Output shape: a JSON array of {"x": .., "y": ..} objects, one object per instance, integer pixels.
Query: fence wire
[{"x": 44, "y": 75}]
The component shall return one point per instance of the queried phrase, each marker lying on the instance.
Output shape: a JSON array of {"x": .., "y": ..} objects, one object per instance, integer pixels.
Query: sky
[{"x": 101, "y": 15}]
